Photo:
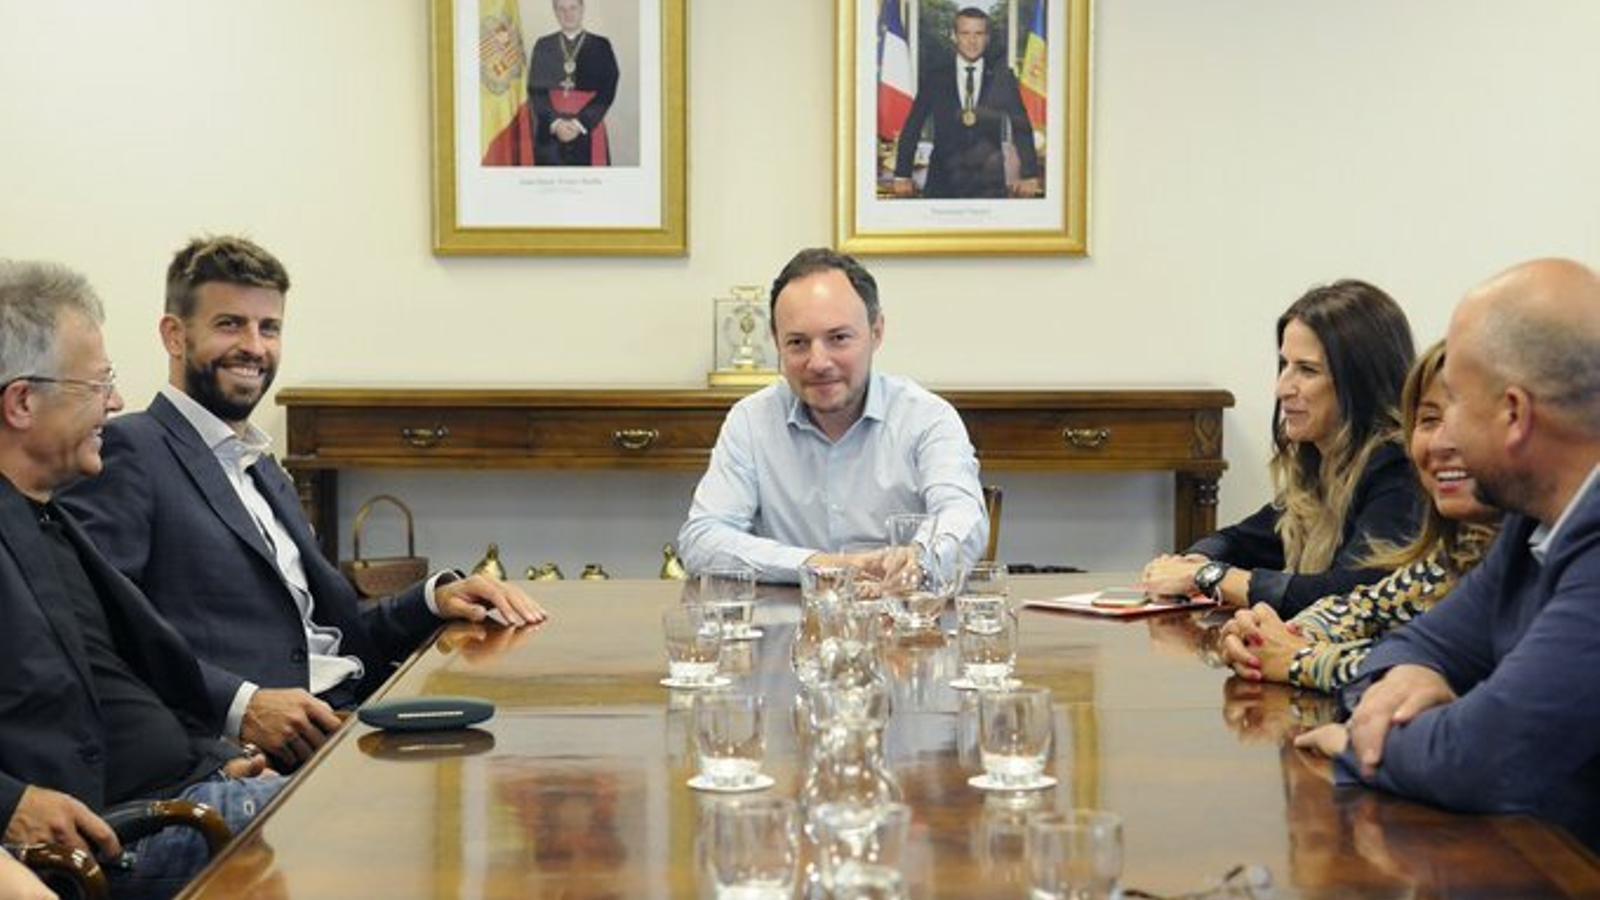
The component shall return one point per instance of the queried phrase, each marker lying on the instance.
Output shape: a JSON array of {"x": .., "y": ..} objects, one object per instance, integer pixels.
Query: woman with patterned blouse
[{"x": 1324, "y": 645}]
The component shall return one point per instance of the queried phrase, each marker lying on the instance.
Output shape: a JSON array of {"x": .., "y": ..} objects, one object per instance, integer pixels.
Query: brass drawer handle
[
  {"x": 424, "y": 438},
  {"x": 634, "y": 438},
  {"x": 1086, "y": 438}
]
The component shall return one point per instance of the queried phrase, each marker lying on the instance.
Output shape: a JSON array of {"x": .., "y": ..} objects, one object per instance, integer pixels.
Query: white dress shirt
[{"x": 778, "y": 490}]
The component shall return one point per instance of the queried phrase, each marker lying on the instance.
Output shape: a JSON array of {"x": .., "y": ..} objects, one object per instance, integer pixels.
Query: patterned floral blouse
[{"x": 1343, "y": 627}]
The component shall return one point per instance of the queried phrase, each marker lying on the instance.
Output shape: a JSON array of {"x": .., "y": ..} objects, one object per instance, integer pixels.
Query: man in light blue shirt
[{"x": 810, "y": 467}]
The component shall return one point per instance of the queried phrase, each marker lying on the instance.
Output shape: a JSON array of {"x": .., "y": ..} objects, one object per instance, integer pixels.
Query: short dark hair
[
  {"x": 228, "y": 259},
  {"x": 812, "y": 260},
  {"x": 1367, "y": 341},
  {"x": 972, "y": 12}
]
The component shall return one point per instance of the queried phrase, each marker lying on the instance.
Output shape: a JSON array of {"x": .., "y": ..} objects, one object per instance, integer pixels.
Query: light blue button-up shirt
[{"x": 778, "y": 490}]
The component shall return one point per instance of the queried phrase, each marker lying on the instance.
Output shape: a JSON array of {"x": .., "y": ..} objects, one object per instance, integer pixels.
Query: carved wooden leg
[
  {"x": 1194, "y": 510},
  {"x": 319, "y": 497}
]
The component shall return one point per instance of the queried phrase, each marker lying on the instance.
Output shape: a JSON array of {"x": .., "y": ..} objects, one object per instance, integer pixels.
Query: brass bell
[
  {"x": 547, "y": 572},
  {"x": 594, "y": 572},
  {"x": 671, "y": 566},
  {"x": 490, "y": 564}
]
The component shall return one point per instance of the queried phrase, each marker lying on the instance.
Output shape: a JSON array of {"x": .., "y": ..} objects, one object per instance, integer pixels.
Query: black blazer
[
  {"x": 967, "y": 161},
  {"x": 51, "y": 731},
  {"x": 1387, "y": 508},
  {"x": 165, "y": 515}
]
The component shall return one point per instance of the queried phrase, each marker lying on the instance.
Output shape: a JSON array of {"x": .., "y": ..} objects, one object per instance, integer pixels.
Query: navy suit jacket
[
  {"x": 1519, "y": 643},
  {"x": 51, "y": 731},
  {"x": 967, "y": 161},
  {"x": 166, "y": 516}
]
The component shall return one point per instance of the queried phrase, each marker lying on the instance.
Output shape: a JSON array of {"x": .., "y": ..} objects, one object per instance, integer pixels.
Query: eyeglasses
[{"x": 104, "y": 387}]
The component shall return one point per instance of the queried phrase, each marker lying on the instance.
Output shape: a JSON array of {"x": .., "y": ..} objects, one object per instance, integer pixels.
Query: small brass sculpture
[
  {"x": 671, "y": 566},
  {"x": 490, "y": 564},
  {"x": 547, "y": 572},
  {"x": 594, "y": 572}
]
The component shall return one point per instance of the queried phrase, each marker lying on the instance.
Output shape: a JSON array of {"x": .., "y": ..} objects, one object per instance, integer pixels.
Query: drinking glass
[
  {"x": 694, "y": 643},
  {"x": 754, "y": 848},
  {"x": 1015, "y": 730},
  {"x": 730, "y": 738},
  {"x": 853, "y": 833},
  {"x": 988, "y": 649},
  {"x": 985, "y": 587},
  {"x": 1074, "y": 855},
  {"x": 922, "y": 590},
  {"x": 732, "y": 591}
]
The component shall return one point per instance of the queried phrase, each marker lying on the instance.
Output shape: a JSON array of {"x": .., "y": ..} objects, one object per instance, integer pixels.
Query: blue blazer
[
  {"x": 165, "y": 515},
  {"x": 1519, "y": 643},
  {"x": 51, "y": 731}
]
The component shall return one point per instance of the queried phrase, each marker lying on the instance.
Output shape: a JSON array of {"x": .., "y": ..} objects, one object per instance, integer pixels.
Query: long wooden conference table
[{"x": 576, "y": 787}]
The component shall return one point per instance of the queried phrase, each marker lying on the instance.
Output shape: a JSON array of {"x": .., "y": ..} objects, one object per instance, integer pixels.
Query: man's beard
[{"x": 204, "y": 386}]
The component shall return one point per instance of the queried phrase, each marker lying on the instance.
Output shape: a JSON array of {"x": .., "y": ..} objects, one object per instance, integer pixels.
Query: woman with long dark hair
[{"x": 1341, "y": 480}]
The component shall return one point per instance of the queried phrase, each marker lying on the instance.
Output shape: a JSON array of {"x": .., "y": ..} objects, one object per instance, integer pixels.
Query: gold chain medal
[
  {"x": 569, "y": 59},
  {"x": 969, "y": 118}
]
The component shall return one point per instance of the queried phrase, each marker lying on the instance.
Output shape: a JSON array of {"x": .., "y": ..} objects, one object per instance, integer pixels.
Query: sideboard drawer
[
  {"x": 1115, "y": 436},
  {"x": 659, "y": 436},
  {"x": 420, "y": 432}
]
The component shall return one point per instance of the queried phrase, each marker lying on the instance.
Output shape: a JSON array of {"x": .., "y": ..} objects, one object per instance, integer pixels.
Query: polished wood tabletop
[{"x": 576, "y": 787}]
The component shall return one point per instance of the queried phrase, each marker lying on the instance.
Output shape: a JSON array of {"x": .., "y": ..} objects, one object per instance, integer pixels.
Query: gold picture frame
[
  {"x": 944, "y": 215},
  {"x": 620, "y": 205}
]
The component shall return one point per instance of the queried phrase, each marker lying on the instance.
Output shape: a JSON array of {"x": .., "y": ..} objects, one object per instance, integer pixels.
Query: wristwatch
[{"x": 1208, "y": 578}]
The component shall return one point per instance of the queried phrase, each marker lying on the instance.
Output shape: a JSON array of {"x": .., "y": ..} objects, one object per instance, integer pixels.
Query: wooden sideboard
[{"x": 1177, "y": 431}]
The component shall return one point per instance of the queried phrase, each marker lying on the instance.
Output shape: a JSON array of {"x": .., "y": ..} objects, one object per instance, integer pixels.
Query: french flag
[{"x": 895, "y": 87}]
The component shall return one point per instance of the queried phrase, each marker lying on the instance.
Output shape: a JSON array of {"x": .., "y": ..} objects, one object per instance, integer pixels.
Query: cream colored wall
[{"x": 1242, "y": 150}]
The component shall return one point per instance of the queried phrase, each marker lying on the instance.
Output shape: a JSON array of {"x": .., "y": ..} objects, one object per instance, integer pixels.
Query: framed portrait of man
[
  {"x": 559, "y": 127},
  {"x": 962, "y": 126}
]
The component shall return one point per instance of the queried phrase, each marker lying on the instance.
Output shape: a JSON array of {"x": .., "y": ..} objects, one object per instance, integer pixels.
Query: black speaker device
[{"x": 426, "y": 713}]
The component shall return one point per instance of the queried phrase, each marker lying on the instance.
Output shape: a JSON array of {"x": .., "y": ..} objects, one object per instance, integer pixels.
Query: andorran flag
[
  {"x": 1034, "y": 71},
  {"x": 895, "y": 89},
  {"x": 505, "y": 130}
]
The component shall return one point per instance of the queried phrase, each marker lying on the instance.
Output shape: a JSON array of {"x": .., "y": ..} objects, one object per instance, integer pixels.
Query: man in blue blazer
[
  {"x": 193, "y": 508},
  {"x": 100, "y": 699},
  {"x": 1491, "y": 701}
]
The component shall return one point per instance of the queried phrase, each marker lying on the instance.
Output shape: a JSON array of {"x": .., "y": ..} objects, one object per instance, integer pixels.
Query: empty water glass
[
  {"x": 1015, "y": 731},
  {"x": 754, "y": 848},
  {"x": 732, "y": 591},
  {"x": 730, "y": 739},
  {"x": 694, "y": 644},
  {"x": 1074, "y": 855},
  {"x": 853, "y": 833},
  {"x": 988, "y": 649}
]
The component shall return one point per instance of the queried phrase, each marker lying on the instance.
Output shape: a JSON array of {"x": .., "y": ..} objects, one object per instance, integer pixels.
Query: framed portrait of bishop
[{"x": 558, "y": 127}]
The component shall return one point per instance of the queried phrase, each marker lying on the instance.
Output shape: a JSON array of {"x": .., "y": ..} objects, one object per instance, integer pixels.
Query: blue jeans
[{"x": 161, "y": 864}]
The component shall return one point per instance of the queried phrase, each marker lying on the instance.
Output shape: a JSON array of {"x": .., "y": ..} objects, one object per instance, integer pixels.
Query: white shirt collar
[
  {"x": 218, "y": 435},
  {"x": 1544, "y": 537}
]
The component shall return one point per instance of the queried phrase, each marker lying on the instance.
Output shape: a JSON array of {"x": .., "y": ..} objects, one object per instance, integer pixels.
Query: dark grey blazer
[
  {"x": 51, "y": 733},
  {"x": 165, "y": 515}
]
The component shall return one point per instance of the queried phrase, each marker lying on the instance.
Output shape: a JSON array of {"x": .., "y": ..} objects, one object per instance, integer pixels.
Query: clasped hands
[
  {"x": 566, "y": 130},
  {"x": 1259, "y": 646},
  {"x": 1403, "y": 693},
  {"x": 291, "y": 723}
]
